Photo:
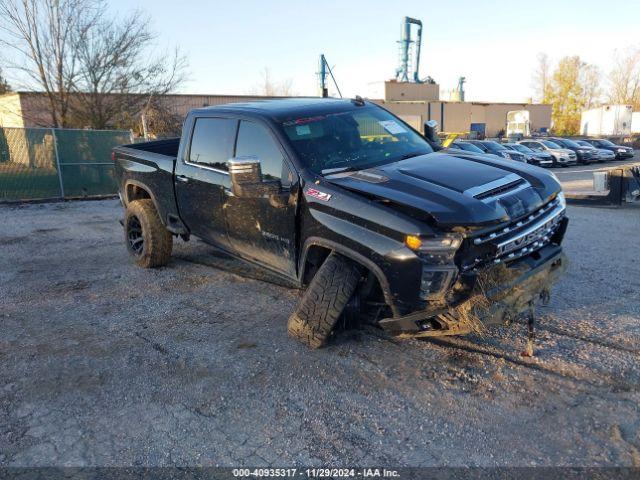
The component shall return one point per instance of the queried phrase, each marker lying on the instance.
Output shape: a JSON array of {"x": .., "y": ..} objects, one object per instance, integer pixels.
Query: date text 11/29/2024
[{"x": 316, "y": 472}]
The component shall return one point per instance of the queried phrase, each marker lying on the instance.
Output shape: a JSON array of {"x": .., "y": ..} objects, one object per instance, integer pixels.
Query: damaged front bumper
[{"x": 519, "y": 285}]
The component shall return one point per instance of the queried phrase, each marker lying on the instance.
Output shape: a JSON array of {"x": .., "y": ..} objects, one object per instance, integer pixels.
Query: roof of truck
[{"x": 285, "y": 108}]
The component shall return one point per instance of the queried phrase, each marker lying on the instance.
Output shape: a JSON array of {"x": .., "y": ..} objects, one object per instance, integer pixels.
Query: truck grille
[{"x": 518, "y": 238}]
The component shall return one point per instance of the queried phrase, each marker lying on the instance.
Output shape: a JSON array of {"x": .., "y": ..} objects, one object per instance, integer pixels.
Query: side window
[
  {"x": 254, "y": 139},
  {"x": 212, "y": 142}
]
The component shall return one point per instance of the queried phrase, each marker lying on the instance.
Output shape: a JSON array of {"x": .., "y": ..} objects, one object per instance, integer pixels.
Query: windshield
[
  {"x": 582, "y": 143},
  {"x": 495, "y": 146},
  {"x": 469, "y": 147},
  {"x": 606, "y": 143},
  {"x": 522, "y": 148},
  {"x": 569, "y": 143},
  {"x": 549, "y": 144},
  {"x": 353, "y": 140}
]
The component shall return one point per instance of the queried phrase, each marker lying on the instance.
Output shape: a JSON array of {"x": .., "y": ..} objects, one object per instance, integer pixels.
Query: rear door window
[{"x": 212, "y": 142}]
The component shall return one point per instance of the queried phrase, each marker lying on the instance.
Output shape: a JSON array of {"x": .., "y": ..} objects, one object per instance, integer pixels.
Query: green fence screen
[{"x": 43, "y": 163}]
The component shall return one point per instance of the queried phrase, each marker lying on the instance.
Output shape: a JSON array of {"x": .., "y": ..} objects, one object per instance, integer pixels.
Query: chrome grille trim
[
  {"x": 497, "y": 234},
  {"x": 523, "y": 237},
  {"x": 534, "y": 233}
]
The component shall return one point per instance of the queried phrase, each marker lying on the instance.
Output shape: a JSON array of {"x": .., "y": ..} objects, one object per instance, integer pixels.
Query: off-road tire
[
  {"x": 156, "y": 240},
  {"x": 322, "y": 303}
]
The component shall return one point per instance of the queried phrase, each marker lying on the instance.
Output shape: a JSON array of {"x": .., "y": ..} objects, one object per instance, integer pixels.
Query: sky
[{"x": 492, "y": 43}]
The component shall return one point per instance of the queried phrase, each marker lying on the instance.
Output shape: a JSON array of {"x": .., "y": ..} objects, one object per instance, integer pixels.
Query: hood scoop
[{"x": 498, "y": 188}]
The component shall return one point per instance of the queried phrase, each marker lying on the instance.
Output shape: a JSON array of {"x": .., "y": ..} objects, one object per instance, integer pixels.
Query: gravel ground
[{"x": 106, "y": 364}]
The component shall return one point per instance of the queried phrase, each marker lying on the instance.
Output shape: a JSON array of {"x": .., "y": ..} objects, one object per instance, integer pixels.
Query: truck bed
[
  {"x": 150, "y": 164},
  {"x": 168, "y": 146}
]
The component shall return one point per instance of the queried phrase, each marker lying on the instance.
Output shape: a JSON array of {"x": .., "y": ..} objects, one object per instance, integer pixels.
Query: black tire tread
[
  {"x": 158, "y": 241},
  {"x": 322, "y": 303}
]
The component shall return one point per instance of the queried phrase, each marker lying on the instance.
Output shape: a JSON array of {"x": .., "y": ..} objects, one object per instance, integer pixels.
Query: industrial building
[{"x": 417, "y": 103}]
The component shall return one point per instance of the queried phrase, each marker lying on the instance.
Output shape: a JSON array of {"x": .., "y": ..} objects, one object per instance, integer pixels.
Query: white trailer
[
  {"x": 635, "y": 122},
  {"x": 518, "y": 123},
  {"x": 607, "y": 120}
]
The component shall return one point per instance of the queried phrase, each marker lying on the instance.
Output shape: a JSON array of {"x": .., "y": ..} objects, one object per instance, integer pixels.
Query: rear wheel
[
  {"x": 148, "y": 242},
  {"x": 324, "y": 300}
]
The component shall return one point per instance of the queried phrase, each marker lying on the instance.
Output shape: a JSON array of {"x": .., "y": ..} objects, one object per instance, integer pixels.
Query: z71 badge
[{"x": 312, "y": 192}]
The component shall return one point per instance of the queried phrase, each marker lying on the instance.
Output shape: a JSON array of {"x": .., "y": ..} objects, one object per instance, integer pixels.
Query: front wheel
[
  {"x": 148, "y": 242},
  {"x": 322, "y": 303}
]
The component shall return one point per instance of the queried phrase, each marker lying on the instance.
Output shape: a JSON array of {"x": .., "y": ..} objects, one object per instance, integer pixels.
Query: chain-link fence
[{"x": 43, "y": 163}]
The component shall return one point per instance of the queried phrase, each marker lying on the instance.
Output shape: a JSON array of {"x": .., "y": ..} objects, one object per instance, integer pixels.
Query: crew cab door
[
  {"x": 263, "y": 229},
  {"x": 201, "y": 177}
]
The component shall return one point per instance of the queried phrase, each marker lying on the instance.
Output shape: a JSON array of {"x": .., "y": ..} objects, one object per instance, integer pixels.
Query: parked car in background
[
  {"x": 585, "y": 155},
  {"x": 541, "y": 159},
  {"x": 561, "y": 156},
  {"x": 489, "y": 146},
  {"x": 603, "y": 154},
  {"x": 466, "y": 146},
  {"x": 620, "y": 151}
]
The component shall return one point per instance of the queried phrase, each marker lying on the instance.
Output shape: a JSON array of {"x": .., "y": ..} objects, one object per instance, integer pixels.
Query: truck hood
[{"x": 455, "y": 189}]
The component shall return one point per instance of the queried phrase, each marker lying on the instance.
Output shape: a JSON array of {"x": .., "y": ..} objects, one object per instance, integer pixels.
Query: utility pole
[{"x": 322, "y": 77}]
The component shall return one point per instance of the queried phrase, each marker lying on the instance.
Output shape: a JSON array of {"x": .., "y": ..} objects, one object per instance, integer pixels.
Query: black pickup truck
[{"x": 351, "y": 204}]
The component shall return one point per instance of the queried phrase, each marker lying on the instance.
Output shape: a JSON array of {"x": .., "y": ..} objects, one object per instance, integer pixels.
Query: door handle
[{"x": 182, "y": 178}]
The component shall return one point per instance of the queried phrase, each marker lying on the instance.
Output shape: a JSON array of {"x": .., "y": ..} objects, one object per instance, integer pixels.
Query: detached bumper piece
[
  {"x": 523, "y": 283},
  {"x": 623, "y": 185}
]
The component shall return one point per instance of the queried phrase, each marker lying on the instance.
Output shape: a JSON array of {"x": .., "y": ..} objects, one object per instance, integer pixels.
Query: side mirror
[
  {"x": 431, "y": 131},
  {"x": 246, "y": 178}
]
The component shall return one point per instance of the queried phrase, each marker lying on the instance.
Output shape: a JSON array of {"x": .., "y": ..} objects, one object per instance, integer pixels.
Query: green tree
[{"x": 573, "y": 87}]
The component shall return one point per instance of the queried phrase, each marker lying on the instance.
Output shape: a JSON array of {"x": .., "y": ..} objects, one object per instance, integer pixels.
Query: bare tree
[
  {"x": 4, "y": 85},
  {"x": 161, "y": 121},
  {"x": 94, "y": 68},
  {"x": 42, "y": 33},
  {"x": 540, "y": 78},
  {"x": 117, "y": 78},
  {"x": 273, "y": 88},
  {"x": 591, "y": 81},
  {"x": 624, "y": 79}
]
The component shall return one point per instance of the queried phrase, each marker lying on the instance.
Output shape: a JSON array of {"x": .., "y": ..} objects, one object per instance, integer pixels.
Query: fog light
[
  {"x": 435, "y": 282},
  {"x": 413, "y": 242}
]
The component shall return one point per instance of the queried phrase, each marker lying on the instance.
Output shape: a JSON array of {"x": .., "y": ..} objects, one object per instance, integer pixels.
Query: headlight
[
  {"x": 561, "y": 200},
  {"x": 435, "y": 244},
  {"x": 506, "y": 155}
]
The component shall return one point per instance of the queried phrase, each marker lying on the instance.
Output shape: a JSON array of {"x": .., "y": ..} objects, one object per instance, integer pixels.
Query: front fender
[{"x": 397, "y": 268}]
